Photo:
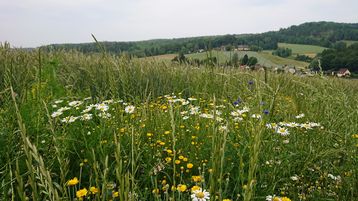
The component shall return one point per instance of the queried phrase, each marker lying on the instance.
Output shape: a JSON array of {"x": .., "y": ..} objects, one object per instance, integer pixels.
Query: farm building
[
  {"x": 343, "y": 72},
  {"x": 243, "y": 48}
]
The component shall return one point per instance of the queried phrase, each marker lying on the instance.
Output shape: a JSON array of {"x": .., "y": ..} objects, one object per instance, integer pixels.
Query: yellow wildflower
[
  {"x": 155, "y": 191},
  {"x": 182, "y": 187},
  {"x": 189, "y": 165},
  {"x": 94, "y": 190},
  {"x": 195, "y": 188},
  {"x": 115, "y": 194},
  {"x": 72, "y": 182},
  {"x": 285, "y": 199},
  {"x": 81, "y": 193},
  {"x": 196, "y": 178},
  {"x": 168, "y": 159},
  {"x": 276, "y": 199}
]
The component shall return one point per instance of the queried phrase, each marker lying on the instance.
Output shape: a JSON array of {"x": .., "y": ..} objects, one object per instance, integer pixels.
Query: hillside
[
  {"x": 309, "y": 50},
  {"x": 312, "y": 33},
  {"x": 263, "y": 58}
]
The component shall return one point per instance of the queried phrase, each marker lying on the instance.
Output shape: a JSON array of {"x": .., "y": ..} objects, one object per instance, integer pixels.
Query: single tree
[
  {"x": 245, "y": 60},
  {"x": 235, "y": 59},
  {"x": 252, "y": 61}
]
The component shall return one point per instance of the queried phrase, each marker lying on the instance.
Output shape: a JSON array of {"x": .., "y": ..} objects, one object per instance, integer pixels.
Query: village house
[
  {"x": 243, "y": 48},
  {"x": 343, "y": 72}
]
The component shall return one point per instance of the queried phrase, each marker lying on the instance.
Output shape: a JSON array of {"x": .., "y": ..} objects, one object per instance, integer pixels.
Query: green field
[
  {"x": 349, "y": 42},
  {"x": 77, "y": 126},
  {"x": 309, "y": 50},
  {"x": 264, "y": 58}
]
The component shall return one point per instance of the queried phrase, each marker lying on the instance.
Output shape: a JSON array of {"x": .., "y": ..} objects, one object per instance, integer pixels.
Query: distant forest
[
  {"x": 340, "y": 57},
  {"x": 326, "y": 34},
  {"x": 313, "y": 33}
]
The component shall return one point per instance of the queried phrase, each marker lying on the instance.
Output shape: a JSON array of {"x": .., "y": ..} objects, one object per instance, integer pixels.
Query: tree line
[{"x": 324, "y": 34}]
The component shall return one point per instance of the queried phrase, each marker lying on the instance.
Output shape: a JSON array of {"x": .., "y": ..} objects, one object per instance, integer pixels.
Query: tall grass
[{"x": 152, "y": 152}]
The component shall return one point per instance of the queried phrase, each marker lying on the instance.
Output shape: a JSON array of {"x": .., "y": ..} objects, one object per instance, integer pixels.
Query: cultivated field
[
  {"x": 102, "y": 127},
  {"x": 309, "y": 50},
  {"x": 264, "y": 58}
]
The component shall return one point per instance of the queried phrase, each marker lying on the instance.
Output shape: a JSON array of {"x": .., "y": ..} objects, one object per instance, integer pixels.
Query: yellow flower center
[{"x": 200, "y": 195}]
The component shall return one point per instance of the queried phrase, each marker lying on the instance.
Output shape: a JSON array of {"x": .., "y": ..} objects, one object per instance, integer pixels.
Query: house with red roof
[{"x": 343, "y": 72}]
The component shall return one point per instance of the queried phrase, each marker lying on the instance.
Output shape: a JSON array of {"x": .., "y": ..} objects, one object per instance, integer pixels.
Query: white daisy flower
[
  {"x": 219, "y": 119},
  {"x": 207, "y": 116},
  {"x": 294, "y": 178},
  {"x": 313, "y": 124},
  {"x": 237, "y": 119},
  {"x": 234, "y": 114},
  {"x": 56, "y": 114},
  {"x": 282, "y": 131},
  {"x": 86, "y": 117},
  {"x": 200, "y": 195},
  {"x": 223, "y": 128},
  {"x": 104, "y": 115},
  {"x": 184, "y": 112},
  {"x": 75, "y": 103},
  {"x": 101, "y": 107},
  {"x": 69, "y": 119},
  {"x": 185, "y": 102},
  {"x": 292, "y": 124},
  {"x": 256, "y": 116},
  {"x": 300, "y": 116},
  {"x": 286, "y": 141},
  {"x": 306, "y": 126},
  {"x": 58, "y": 101},
  {"x": 269, "y": 198},
  {"x": 62, "y": 109},
  {"x": 88, "y": 108},
  {"x": 129, "y": 109},
  {"x": 194, "y": 110},
  {"x": 192, "y": 99},
  {"x": 108, "y": 101}
]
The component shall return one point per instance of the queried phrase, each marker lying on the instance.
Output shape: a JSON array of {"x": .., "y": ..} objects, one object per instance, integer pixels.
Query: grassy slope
[
  {"x": 349, "y": 42},
  {"x": 264, "y": 58},
  {"x": 302, "y": 49},
  {"x": 164, "y": 57}
]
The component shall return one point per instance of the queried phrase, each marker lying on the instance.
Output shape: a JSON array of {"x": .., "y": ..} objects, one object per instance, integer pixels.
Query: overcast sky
[{"x": 31, "y": 23}]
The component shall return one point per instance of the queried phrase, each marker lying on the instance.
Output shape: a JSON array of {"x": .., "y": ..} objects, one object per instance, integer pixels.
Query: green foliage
[
  {"x": 314, "y": 33},
  {"x": 244, "y": 60},
  {"x": 252, "y": 61},
  {"x": 235, "y": 59},
  {"x": 314, "y": 65},
  {"x": 343, "y": 57},
  {"x": 301, "y": 57},
  {"x": 282, "y": 52}
]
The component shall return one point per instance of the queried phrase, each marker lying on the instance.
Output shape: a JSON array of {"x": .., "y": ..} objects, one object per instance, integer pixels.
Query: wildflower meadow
[{"x": 79, "y": 126}]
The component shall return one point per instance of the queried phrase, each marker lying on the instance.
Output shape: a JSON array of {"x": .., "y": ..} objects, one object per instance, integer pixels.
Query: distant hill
[
  {"x": 324, "y": 34},
  {"x": 264, "y": 58}
]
